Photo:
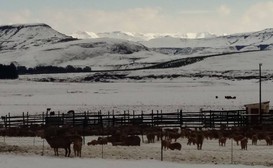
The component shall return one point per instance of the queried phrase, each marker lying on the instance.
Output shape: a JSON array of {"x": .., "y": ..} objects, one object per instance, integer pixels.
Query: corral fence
[{"x": 201, "y": 119}]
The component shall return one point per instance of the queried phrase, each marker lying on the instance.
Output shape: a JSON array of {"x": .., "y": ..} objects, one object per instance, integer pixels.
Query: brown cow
[
  {"x": 244, "y": 143},
  {"x": 237, "y": 138},
  {"x": 191, "y": 140},
  {"x": 268, "y": 140},
  {"x": 174, "y": 135},
  {"x": 151, "y": 137},
  {"x": 254, "y": 139},
  {"x": 102, "y": 140},
  {"x": 165, "y": 144},
  {"x": 199, "y": 140},
  {"x": 132, "y": 140},
  {"x": 93, "y": 142},
  {"x": 77, "y": 145},
  {"x": 99, "y": 141},
  {"x": 222, "y": 141},
  {"x": 56, "y": 142},
  {"x": 57, "y": 138},
  {"x": 175, "y": 145}
]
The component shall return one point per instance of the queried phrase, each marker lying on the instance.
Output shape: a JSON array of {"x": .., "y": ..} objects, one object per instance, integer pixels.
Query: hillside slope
[
  {"x": 14, "y": 37},
  {"x": 243, "y": 39},
  {"x": 38, "y": 44}
]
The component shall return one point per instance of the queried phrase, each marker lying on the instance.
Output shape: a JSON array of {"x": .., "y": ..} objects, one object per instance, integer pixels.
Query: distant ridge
[
  {"x": 38, "y": 44},
  {"x": 24, "y": 36},
  {"x": 23, "y": 25},
  {"x": 140, "y": 36}
]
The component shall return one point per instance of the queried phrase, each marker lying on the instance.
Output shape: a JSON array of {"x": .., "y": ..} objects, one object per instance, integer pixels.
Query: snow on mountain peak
[
  {"x": 131, "y": 36},
  {"x": 84, "y": 35}
]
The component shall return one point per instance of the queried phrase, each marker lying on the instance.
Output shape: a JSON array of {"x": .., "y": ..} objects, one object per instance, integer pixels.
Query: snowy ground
[
  {"x": 11, "y": 161},
  {"x": 147, "y": 155},
  {"x": 168, "y": 95},
  {"x": 17, "y": 96}
]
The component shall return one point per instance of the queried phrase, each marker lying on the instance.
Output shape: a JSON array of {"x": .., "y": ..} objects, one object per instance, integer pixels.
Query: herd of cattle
[{"x": 133, "y": 136}]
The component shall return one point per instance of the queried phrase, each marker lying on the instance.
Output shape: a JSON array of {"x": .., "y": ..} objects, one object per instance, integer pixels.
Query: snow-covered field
[
  {"x": 11, "y": 161},
  {"x": 147, "y": 155},
  {"x": 168, "y": 95},
  {"x": 17, "y": 96}
]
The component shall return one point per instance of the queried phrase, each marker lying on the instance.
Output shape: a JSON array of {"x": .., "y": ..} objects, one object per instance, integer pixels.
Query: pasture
[
  {"x": 211, "y": 153},
  {"x": 187, "y": 94},
  {"x": 167, "y": 95}
]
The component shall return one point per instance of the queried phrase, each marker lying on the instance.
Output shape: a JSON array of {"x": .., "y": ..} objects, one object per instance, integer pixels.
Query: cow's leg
[
  {"x": 69, "y": 151},
  {"x": 55, "y": 153}
]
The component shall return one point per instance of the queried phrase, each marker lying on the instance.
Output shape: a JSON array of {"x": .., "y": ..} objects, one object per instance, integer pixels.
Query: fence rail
[{"x": 207, "y": 119}]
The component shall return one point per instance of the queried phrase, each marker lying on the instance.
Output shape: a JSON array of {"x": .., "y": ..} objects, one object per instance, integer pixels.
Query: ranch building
[{"x": 253, "y": 111}]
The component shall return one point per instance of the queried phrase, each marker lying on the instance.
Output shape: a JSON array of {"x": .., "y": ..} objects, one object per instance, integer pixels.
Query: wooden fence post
[
  {"x": 9, "y": 120},
  {"x": 100, "y": 119},
  {"x": 152, "y": 118},
  {"x": 134, "y": 117},
  {"x": 113, "y": 119},
  {"x": 210, "y": 119},
  {"x": 238, "y": 118},
  {"x": 124, "y": 117},
  {"x": 108, "y": 119},
  {"x": 213, "y": 119},
  {"x": 43, "y": 118},
  {"x": 227, "y": 118},
  {"x": 181, "y": 118},
  {"x": 5, "y": 121},
  {"x": 161, "y": 135},
  {"x": 161, "y": 116},
  {"x": 23, "y": 119},
  {"x": 27, "y": 119},
  {"x": 142, "y": 127},
  {"x": 128, "y": 117}
]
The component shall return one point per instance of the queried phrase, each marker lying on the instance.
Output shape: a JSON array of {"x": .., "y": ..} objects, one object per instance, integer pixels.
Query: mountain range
[
  {"x": 139, "y": 36},
  {"x": 38, "y": 44}
]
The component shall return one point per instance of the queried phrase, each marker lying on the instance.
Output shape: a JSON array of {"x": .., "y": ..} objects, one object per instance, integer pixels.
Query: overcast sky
[{"x": 146, "y": 16}]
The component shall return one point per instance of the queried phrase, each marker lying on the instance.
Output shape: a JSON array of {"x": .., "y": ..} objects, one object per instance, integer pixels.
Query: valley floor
[{"x": 17, "y": 96}]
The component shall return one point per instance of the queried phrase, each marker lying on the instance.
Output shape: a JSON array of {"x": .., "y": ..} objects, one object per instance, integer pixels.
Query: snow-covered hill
[
  {"x": 100, "y": 54},
  {"x": 263, "y": 37},
  {"x": 14, "y": 37},
  {"x": 38, "y": 44},
  {"x": 193, "y": 44},
  {"x": 193, "y": 40}
]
